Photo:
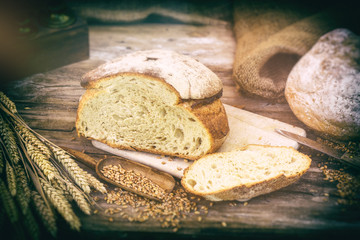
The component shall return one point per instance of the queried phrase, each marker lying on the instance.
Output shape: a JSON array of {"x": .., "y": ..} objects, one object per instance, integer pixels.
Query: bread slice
[
  {"x": 152, "y": 101},
  {"x": 245, "y": 173}
]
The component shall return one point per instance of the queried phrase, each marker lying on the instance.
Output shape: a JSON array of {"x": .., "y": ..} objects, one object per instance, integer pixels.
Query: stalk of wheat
[
  {"x": 39, "y": 170},
  {"x": 45, "y": 213},
  {"x": 8, "y": 203}
]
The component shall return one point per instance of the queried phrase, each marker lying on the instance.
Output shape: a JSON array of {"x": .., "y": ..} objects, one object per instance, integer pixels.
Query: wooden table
[{"x": 306, "y": 209}]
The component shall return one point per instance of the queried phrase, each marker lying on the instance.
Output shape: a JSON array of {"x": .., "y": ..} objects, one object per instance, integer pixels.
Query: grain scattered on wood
[
  {"x": 347, "y": 181},
  {"x": 176, "y": 206}
]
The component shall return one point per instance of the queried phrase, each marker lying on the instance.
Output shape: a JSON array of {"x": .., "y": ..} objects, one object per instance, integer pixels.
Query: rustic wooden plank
[{"x": 211, "y": 45}]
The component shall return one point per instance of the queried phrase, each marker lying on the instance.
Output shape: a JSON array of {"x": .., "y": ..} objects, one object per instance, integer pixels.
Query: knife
[{"x": 346, "y": 157}]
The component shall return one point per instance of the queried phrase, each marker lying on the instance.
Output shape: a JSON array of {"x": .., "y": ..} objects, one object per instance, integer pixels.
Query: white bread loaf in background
[
  {"x": 323, "y": 88},
  {"x": 246, "y": 173},
  {"x": 154, "y": 101}
]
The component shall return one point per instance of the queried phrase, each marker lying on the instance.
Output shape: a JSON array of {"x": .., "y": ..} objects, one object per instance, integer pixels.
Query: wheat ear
[
  {"x": 42, "y": 161},
  {"x": 59, "y": 184},
  {"x": 31, "y": 225},
  {"x": 95, "y": 183},
  {"x": 2, "y": 159},
  {"x": 10, "y": 105},
  {"x": 8, "y": 203},
  {"x": 23, "y": 192},
  {"x": 11, "y": 179},
  {"x": 72, "y": 168},
  {"x": 45, "y": 213},
  {"x": 9, "y": 140},
  {"x": 31, "y": 139},
  {"x": 79, "y": 198},
  {"x": 61, "y": 204}
]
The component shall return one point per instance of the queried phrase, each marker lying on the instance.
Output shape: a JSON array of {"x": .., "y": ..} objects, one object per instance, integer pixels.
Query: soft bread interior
[
  {"x": 141, "y": 113},
  {"x": 222, "y": 171}
]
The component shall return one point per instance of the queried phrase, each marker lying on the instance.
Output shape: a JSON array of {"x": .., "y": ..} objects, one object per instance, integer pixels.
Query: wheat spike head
[
  {"x": 61, "y": 204},
  {"x": 10, "y": 105}
]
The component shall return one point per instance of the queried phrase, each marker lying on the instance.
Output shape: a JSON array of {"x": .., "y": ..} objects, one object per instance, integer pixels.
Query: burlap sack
[{"x": 271, "y": 38}]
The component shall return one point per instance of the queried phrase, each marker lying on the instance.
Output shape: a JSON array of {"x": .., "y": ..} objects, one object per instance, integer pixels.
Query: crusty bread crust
[
  {"x": 214, "y": 119},
  {"x": 245, "y": 192},
  {"x": 190, "y": 78}
]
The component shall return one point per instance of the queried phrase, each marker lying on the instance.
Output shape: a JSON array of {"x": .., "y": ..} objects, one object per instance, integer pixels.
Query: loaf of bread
[
  {"x": 245, "y": 173},
  {"x": 154, "y": 101},
  {"x": 323, "y": 88}
]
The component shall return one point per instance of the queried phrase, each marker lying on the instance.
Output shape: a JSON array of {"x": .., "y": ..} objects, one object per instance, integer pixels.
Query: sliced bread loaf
[
  {"x": 154, "y": 101},
  {"x": 245, "y": 173}
]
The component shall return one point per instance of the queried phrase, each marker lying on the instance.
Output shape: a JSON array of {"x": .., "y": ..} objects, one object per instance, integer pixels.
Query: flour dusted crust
[
  {"x": 323, "y": 89},
  {"x": 189, "y": 77},
  {"x": 186, "y": 89}
]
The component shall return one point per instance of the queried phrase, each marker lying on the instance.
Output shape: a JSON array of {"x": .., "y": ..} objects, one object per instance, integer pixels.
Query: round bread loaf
[
  {"x": 323, "y": 88},
  {"x": 154, "y": 101}
]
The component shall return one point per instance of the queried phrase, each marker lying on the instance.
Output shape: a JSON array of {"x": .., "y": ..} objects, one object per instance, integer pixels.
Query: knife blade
[{"x": 346, "y": 157}]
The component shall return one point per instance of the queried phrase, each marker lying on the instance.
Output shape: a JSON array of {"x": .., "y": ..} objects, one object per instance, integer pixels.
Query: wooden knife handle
[{"x": 82, "y": 157}]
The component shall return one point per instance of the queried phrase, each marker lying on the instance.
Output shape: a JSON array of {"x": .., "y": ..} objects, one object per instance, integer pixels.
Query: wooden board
[{"x": 306, "y": 209}]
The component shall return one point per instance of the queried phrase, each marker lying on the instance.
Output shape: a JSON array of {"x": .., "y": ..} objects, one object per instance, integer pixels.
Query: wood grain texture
[{"x": 305, "y": 209}]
